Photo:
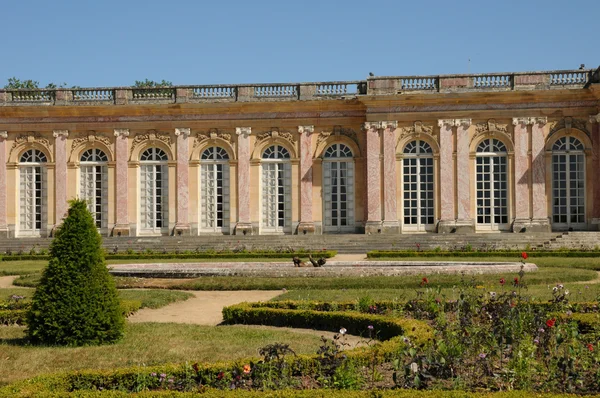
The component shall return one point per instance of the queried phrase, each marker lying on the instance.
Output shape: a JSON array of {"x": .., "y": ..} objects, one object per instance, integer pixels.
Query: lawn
[{"x": 144, "y": 344}]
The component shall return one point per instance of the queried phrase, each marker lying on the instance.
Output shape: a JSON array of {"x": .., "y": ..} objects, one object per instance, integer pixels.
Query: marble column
[
  {"x": 182, "y": 226},
  {"x": 522, "y": 171},
  {"x": 373, "y": 177},
  {"x": 464, "y": 222},
  {"x": 446, "y": 183},
  {"x": 595, "y": 213},
  {"x": 390, "y": 207},
  {"x": 3, "y": 196},
  {"x": 306, "y": 225},
  {"x": 122, "y": 219},
  {"x": 244, "y": 225},
  {"x": 540, "y": 221},
  {"x": 60, "y": 175}
]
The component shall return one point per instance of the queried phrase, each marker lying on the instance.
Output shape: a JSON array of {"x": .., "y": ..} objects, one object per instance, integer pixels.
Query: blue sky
[{"x": 114, "y": 43}]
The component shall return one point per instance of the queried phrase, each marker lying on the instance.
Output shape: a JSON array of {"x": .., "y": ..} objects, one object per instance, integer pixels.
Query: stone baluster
[
  {"x": 244, "y": 225},
  {"x": 595, "y": 213},
  {"x": 182, "y": 225},
  {"x": 447, "y": 218},
  {"x": 523, "y": 204},
  {"x": 464, "y": 221},
  {"x": 390, "y": 206},
  {"x": 373, "y": 177},
  {"x": 122, "y": 219},
  {"x": 539, "y": 221},
  {"x": 3, "y": 196},
  {"x": 60, "y": 172},
  {"x": 306, "y": 224}
]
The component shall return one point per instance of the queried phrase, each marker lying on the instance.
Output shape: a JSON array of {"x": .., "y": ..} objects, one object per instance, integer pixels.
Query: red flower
[
  {"x": 502, "y": 281},
  {"x": 524, "y": 256},
  {"x": 516, "y": 281},
  {"x": 590, "y": 346},
  {"x": 550, "y": 322},
  {"x": 220, "y": 375},
  {"x": 424, "y": 281},
  {"x": 247, "y": 369}
]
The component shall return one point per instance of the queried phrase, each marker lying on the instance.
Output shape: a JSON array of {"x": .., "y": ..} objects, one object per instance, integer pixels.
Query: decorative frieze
[
  {"x": 568, "y": 123},
  {"x": 212, "y": 134},
  {"x": 417, "y": 129},
  {"x": 151, "y": 135},
  {"x": 338, "y": 131},
  {"x": 529, "y": 120},
  {"x": 275, "y": 133},
  {"x": 491, "y": 126},
  {"x": 30, "y": 137},
  {"x": 90, "y": 137}
]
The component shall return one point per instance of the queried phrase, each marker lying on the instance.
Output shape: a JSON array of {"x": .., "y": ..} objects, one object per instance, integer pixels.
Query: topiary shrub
[{"x": 76, "y": 302}]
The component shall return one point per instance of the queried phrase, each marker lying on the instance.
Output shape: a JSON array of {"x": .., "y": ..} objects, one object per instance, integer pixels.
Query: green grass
[
  {"x": 592, "y": 263},
  {"x": 23, "y": 267},
  {"x": 144, "y": 344}
]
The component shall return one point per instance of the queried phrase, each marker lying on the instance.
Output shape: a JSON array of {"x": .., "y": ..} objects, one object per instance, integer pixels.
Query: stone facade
[{"x": 448, "y": 154}]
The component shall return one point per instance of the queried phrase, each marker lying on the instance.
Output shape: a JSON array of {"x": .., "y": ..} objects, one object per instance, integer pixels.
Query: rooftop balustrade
[{"x": 374, "y": 85}]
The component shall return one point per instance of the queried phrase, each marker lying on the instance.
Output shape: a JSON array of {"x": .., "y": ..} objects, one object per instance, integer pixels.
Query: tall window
[
  {"x": 338, "y": 189},
  {"x": 492, "y": 190},
  {"x": 93, "y": 184},
  {"x": 32, "y": 192},
  {"x": 276, "y": 190},
  {"x": 417, "y": 186},
  {"x": 214, "y": 187},
  {"x": 154, "y": 195},
  {"x": 568, "y": 183}
]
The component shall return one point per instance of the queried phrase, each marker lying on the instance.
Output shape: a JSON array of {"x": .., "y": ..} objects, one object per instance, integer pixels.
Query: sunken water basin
[{"x": 332, "y": 268}]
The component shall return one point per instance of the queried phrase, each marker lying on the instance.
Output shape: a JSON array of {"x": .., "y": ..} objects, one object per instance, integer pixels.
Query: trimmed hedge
[
  {"x": 199, "y": 255},
  {"x": 500, "y": 253}
]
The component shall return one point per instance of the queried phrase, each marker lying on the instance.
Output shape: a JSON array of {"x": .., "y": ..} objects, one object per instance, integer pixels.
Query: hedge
[
  {"x": 19, "y": 316},
  {"x": 502, "y": 253},
  {"x": 198, "y": 255}
]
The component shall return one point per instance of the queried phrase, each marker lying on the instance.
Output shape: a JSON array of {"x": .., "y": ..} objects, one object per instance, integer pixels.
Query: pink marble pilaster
[
  {"x": 243, "y": 226},
  {"x": 307, "y": 224},
  {"x": 373, "y": 174},
  {"x": 595, "y": 211},
  {"x": 521, "y": 139},
  {"x": 3, "y": 219},
  {"x": 122, "y": 219},
  {"x": 463, "y": 176},
  {"x": 60, "y": 178},
  {"x": 390, "y": 211},
  {"x": 182, "y": 226},
  {"x": 446, "y": 172},
  {"x": 538, "y": 170}
]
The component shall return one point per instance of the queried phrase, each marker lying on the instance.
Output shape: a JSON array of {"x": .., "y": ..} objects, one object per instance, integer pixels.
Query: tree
[
  {"x": 76, "y": 302},
  {"x": 151, "y": 83},
  {"x": 14, "y": 84}
]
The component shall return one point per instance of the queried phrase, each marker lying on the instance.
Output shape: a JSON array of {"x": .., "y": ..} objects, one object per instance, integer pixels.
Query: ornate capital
[
  {"x": 243, "y": 131},
  {"x": 372, "y": 125},
  {"x": 306, "y": 129},
  {"x": 60, "y": 133},
  {"x": 3, "y": 135},
  {"x": 464, "y": 123},
  {"x": 391, "y": 125},
  {"x": 595, "y": 118},
  {"x": 184, "y": 131},
  {"x": 522, "y": 120},
  {"x": 538, "y": 120},
  {"x": 121, "y": 132},
  {"x": 446, "y": 122}
]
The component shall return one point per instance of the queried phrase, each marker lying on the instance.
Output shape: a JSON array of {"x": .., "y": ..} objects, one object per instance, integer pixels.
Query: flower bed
[{"x": 474, "y": 253}]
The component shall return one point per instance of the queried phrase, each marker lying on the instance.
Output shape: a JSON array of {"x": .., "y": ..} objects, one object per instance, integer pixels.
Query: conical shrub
[{"x": 76, "y": 302}]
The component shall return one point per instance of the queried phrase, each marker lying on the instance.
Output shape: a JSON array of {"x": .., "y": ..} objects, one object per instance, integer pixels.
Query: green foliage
[
  {"x": 15, "y": 84},
  {"x": 76, "y": 302},
  {"x": 469, "y": 251},
  {"x": 151, "y": 83}
]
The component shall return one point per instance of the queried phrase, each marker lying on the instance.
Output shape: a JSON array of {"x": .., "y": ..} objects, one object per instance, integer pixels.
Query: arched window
[
  {"x": 417, "y": 186},
  {"x": 154, "y": 195},
  {"x": 32, "y": 193},
  {"x": 93, "y": 184},
  {"x": 276, "y": 190},
  {"x": 568, "y": 183},
  {"x": 491, "y": 184},
  {"x": 338, "y": 189},
  {"x": 214, "y": 190}
]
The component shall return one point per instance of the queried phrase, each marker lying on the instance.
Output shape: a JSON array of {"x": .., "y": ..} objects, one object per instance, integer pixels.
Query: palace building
[{"x": 397, "y": 154}]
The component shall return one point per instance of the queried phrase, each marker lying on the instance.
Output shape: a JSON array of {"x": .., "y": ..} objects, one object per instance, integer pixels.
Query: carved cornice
[
  {"x": 31, "y": 138},
  {"x": 90, "y": 137},
  {"x": 338, "y": 131},
  {"x": 446, "y": 122},
  {"x": 244, "y": 132},
  {"x": 121, "y": 132},
  {"x": 306, "y": 129},
  {"x": 151, "y": 135},
  {"x": 60, "y": 133},
  {"x": 275, "y": 133},
  {"x": 595, "y": 118},
  {"x": 212, "y": 134},
  {"x": 529, "y": 120},
  {"x": 182, "y": 131}
]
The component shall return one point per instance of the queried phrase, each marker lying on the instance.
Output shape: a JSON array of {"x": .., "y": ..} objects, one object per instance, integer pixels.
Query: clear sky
[{"x": 115, "y": 42}]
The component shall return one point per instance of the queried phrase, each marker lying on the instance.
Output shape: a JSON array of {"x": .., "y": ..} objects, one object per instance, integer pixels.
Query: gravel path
[{"x": 6, "y": 281}]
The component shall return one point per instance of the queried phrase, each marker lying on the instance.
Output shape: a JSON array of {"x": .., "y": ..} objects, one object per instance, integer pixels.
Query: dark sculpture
[{"x": 319, "y": 263}]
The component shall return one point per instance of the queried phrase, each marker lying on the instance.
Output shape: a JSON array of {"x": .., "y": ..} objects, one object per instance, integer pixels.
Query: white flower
[
  {"x": 554, "y": 289},
  {"x": 566, "y": 292},
  {"x": 561, "y": 287},
  {"x": 343, "y": 331},
  {"x": 493, "y": 294},
  {"x": 414, "y": 367}
]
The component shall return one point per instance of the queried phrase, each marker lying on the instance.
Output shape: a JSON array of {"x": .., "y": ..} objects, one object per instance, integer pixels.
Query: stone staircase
[
  {"x": 342, "y": 243},
  {"x": 584, "y": 240}
]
